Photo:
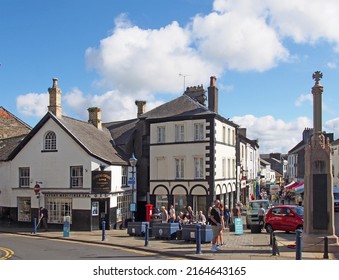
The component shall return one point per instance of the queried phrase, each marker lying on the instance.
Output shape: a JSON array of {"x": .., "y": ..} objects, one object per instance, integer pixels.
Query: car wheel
[{"x": 268, "y": 228}]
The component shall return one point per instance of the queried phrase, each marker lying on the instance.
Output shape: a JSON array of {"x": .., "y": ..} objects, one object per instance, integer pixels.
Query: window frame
[
  {"x": 24, "y": 177},
  {"x": 199, "y": 168},
  {"x": 179, "y": 168},
  {"x": 198, "y": 132},
  {"x": 77, "y": 177},
  {"x": 161, "y": 134},
  {"x": 179, "y": 133},
  {"x": 50, "y": 141}
]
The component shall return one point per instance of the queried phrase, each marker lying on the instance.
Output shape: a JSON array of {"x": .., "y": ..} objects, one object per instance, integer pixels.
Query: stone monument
[{"x": 318, "y": 190}]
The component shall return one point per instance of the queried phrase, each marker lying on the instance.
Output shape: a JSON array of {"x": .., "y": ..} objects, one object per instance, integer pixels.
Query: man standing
[
  {"x": 44, "y": 217},
  {"x": 261, "y": 216},
  {"x": 216, "y": 224}
]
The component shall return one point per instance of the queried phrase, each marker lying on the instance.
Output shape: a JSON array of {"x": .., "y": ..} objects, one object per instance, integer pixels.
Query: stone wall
[{"x": 10, "y": 126}]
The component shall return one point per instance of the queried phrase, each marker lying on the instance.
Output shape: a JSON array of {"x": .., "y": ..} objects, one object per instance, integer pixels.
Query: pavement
[{"x": 246, "y": 246}]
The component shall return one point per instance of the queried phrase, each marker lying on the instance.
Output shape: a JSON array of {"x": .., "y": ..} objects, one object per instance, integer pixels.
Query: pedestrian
[
  {"x": 201, "y": 218},
  {"x": 220, "y": 240},
  {"x": 261, "y": 216},
  {"x": 235, "y": 213},
  {"x": 226, "y": 216},
  {"x": 216, "y": 224},
  {"x": 172, "y": 215},
  {"x": 164, "y": 215},
  {"x": 300, "y": 200},
  {"x": 44, "y": 218}
]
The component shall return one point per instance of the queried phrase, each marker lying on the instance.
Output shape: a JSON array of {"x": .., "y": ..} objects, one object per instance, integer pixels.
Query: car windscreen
[
  {"x": 256, "y": 205},
  {"x": 299, "y": 211}
]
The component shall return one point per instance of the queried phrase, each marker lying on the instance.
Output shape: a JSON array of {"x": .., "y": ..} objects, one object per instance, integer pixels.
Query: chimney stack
[
  {"x": 55, "y": 99},
  {"x": 198, "y": 93},
  {"x": 141, "y": 107},
  {"x": 95, "y": 117},
  {"x": 213, "y": 95}
]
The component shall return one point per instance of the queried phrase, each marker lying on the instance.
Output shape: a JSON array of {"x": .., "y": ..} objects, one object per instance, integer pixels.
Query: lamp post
[{"x": 133, "y": 162}]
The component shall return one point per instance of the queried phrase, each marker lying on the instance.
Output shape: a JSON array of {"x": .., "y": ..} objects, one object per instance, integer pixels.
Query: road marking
[
  {"x": 136, "y": 251},
  {"x": 8, "y": 253}
]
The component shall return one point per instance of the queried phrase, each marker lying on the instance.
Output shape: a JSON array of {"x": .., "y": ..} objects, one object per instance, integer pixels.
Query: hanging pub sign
[{"x": 101, "y": 181}]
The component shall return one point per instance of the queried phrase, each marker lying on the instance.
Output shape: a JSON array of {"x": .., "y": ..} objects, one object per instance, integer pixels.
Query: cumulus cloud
[
  {"x": 304, "y": 98},
  {"x": 32, "y": 104},
  {"x": 332, "y": 126},
  {"x": 274, "y": 135}
]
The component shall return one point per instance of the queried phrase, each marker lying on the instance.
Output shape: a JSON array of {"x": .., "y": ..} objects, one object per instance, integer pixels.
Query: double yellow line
[{"x": 8, "y": 253}]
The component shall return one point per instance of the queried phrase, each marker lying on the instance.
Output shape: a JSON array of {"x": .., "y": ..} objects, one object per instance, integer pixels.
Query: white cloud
[
  {"x": 274, "y": 135},
  {"x": 332, "y": 126},
  {"x": 138, "y": 61},
  {"x": 332, "y": 65},
  {"x": 32, "y": 104},
  {"x": 304, "y": 98}
]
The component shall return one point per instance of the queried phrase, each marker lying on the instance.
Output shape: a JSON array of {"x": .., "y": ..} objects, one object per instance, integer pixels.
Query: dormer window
[{"x": 50, "y": 141}]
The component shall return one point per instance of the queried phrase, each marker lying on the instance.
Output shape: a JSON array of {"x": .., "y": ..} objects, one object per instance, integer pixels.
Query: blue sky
[{"x": 109, "y": 53}]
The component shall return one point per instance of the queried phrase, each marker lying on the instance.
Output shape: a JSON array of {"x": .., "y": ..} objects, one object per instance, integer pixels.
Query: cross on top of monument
[{"x": 317, "y": 76}]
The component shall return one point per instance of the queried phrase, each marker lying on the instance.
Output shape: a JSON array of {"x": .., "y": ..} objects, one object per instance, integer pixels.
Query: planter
[
  {"x": 136, "y": 228},
  {"x": 189, "y": 233},
  {"x": 165, "y": 231}
]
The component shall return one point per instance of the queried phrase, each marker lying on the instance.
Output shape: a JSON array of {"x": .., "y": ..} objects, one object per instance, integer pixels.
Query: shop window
[
  {"x": 58, "y": 208},
  {"x": 24, "y": 209}
]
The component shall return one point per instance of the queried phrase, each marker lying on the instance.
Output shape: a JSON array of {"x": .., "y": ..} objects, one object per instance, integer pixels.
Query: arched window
[{"x": 50, "y": 141}]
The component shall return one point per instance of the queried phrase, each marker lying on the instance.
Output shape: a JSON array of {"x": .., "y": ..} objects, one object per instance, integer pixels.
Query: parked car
[
  {"x": 284, "y": 217},
  {"x": 252, "y": 211}
]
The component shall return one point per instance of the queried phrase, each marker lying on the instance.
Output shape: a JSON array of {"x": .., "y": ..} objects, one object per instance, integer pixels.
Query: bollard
[
  {"x": 198, "y": 238},
  {"x": 103, "y": 227},
  {"x": 274, "y": 245},
  {"x": 325, "y": 247},
  {"x": 271, "y": 238},
  {"x": 35, "y": 226},
  {"x": 146, "y": 234},
  {"x": 298, "y": 245}
]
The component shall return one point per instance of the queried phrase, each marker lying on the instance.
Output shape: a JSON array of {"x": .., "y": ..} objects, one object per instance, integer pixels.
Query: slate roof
[
  {"x": 7, "y": 146},
  {"x": 97, "y": 143},
  {"x": 121, "y": 131},
  {"x": 183, "y": 106}
]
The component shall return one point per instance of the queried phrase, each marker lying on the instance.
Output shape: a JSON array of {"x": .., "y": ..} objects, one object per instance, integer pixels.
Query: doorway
[{"x": 100, "y": 212}]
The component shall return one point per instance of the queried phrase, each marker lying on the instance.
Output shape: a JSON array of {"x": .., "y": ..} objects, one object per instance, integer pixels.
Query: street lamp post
[{"x": 133, "y": 162}]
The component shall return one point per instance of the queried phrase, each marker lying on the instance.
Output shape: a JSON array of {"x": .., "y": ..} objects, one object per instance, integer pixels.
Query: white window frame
[
  {"x": 24, "y": 177},
  {"x": 179, "y": 133},
  {"x": 198, "y": 131},
  {"x": 161, "y": 134},
  {"x": 58, "y": 208},
  {"x": 198, "y": 167},
  {"x": 124, "y": 175},
  {"x": 179, "y": 168},
  {"x": 50, "y": 141},
  {"x": 77, "y": 176}
]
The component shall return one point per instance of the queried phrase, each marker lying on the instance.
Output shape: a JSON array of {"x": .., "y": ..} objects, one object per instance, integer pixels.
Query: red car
[{"x": 284, "y": 217}]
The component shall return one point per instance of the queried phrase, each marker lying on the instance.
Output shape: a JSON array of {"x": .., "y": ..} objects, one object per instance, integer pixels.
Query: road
[{"x": 19, "y": 247}]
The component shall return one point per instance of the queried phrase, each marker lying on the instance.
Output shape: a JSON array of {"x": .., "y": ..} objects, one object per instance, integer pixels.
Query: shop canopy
[
  {"x": 293, "y": 185},
  {"x": 299, "y": 189}
]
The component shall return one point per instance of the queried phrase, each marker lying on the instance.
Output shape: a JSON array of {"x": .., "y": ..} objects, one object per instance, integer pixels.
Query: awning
[
  {"x": 299, "y": 189},
  {"x": 293, "y": 186}
]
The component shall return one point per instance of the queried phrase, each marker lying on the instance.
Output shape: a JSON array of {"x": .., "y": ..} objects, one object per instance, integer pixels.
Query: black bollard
[
  {"x": 271, "y": 238},
  {"x": 325, "y": 247},
  {"x": 103, "y": 227},
  {"x": 274, "y": 245},
  {"x": 298, "y": 246},
  {"x": 198, "y": 238},
  {"x": 146, "y": 234}
]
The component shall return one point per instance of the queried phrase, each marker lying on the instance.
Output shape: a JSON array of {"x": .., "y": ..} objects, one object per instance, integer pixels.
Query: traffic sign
[
  {"x": 131, "y": 180},
  {"x": 37, "y": 188}
]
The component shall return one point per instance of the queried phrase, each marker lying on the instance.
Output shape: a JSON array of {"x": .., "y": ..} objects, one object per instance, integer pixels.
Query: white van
[{"x": 336, "y": 198}]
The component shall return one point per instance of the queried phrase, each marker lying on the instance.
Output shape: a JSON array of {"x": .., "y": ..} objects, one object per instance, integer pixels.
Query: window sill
[{"x": 49, "y": 151}]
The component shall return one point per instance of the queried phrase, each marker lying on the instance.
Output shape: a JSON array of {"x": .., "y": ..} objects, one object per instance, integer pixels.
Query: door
[{"x": 100, "y": 212}]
